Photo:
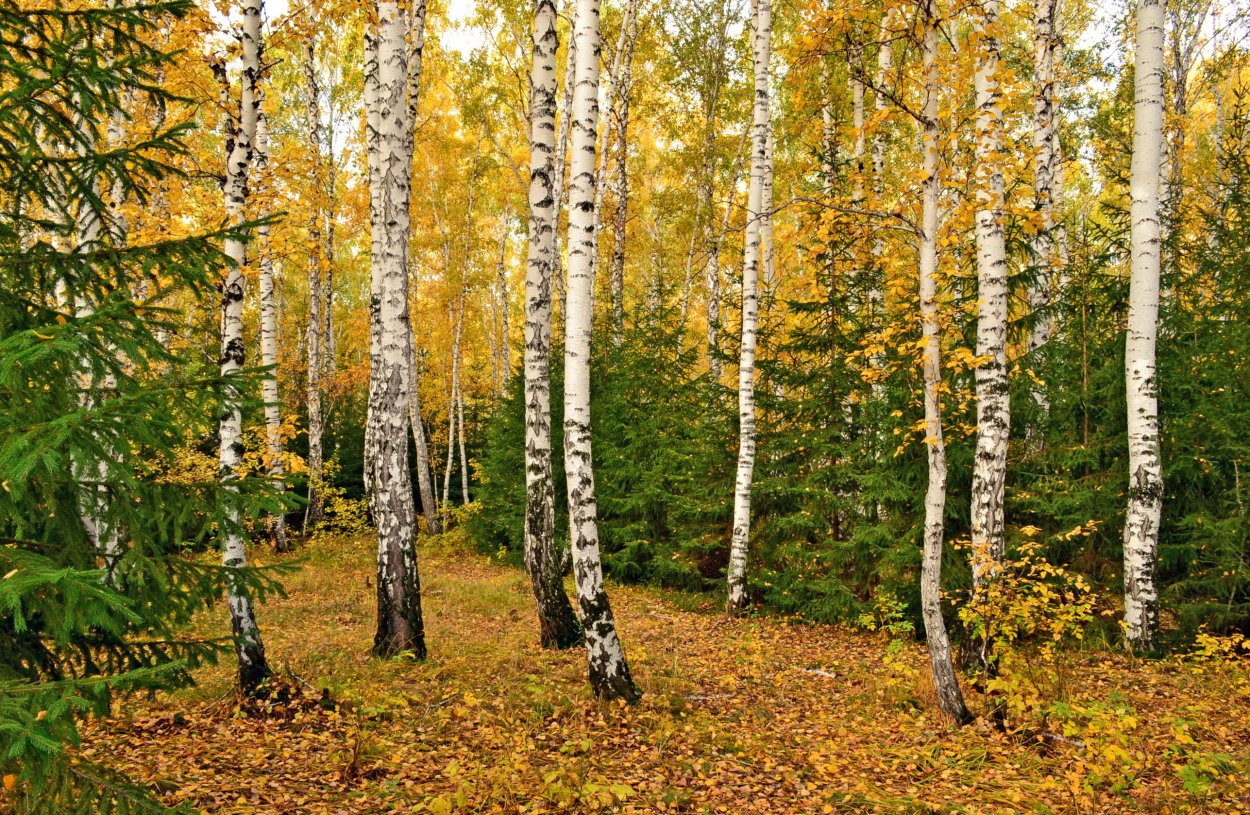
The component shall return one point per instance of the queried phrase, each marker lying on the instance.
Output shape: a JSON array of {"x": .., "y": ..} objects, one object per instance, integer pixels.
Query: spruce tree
[{"x": 95, "y": 407}]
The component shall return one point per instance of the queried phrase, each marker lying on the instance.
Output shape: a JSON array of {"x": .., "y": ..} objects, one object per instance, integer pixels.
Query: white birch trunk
[
  {"x": 608, "y": 671},
  {"x": 314, "y": 512},
  {"x": 828, "y": 137},
  {"x": 885, "y": 61},
  {"x": 425, "y": 485},
  {"x": 753, "y": 255},
  {"x": 605, "y": 150},
  {"x": 269, "y": 342},
  {"x": 425, "y": 488},
  {"x": 240, "y": 144},
  {"x": 389, "y": 140},
  {"x": 768, "y": 269},
  {"x": 856, "y": 57},
  {"x": 557, "y": 624},
  {"x": 505, "y": 326},
  {"x": 464, "y": 459},
  {"x": 1045, "y": 172},
  {"x": 560, "y": 173},
  {"x": 711, "y": 270},
  {"x": 945, "y": 682},
  {"x": 622, "y": 84},
  {"x": 453, "y": 397},
  {"x": 1145, "y": 494},
  {"x": 93, "y": 504},
  {"x": 989, "y": 472}
]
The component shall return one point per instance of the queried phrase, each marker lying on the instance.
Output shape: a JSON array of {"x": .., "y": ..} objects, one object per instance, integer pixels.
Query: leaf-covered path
[{"x": 757, "y": 716}]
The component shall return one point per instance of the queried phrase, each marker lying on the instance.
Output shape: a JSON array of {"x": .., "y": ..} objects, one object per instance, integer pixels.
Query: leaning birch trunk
[
  {"x": 1045, "y": 171},
  {"x": 314, "y": 512},
  {"x": 240, "y": 144},
  {"x": 1145, "y": 493},
  {"x": 989, "y": 472},
  {"x": 945, "y": 682},
  {"x": 269, "y": 344},
  {"x": 400, "y": 626},
  {"x": 429, "y": 502},
  {"x": 608, "y": 671},
  {"x": 557, "y": 624},
  {"x": 736, "y": 577}
]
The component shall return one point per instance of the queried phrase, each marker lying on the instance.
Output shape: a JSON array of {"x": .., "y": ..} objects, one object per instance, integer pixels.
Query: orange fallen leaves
[{"x": 740, "y": 716}]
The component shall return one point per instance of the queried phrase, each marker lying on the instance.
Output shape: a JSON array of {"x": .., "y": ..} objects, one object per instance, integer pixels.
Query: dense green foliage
[
  {"x": 841, "y": 471},
  {"x": 664, "y": 456},
  {"x": 96, "y": 403}
]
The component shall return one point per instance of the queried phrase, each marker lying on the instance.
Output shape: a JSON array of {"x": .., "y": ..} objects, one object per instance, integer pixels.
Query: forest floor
[{"x": 740, "y": 716}]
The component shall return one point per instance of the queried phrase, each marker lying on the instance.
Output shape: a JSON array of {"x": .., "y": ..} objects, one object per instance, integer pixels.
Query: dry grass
[{"x": 739, "y": 716}]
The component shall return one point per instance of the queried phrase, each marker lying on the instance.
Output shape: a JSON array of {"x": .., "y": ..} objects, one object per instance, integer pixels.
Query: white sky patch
[{"x": 461, "y": 35}]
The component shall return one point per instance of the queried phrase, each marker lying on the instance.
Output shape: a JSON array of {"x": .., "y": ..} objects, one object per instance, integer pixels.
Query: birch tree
[
  {"x": 945, "y": 682},
  {"x": 389, "y": 148},
  {"x": 753, "y": 255},
  {"x": 1145, "y": 489},
  {"x": 454, "y": 417},
  {"x": 1184, "y": 20},
  {"x": 607, "y": 141},
  {"x": 314, "y": 337},
  {"x": 557, "y": 624},
  {"x": 622, "y": 85},
  {"x": 464, "y": 459},
  {"x": 989, "y": 474},
  {"x": 608, "y": 671},
  {"x": 560, "y": 177},
  {"x": 240, "y": 148},
  {"x": 1045, "y": 174},
  {"x": 274, "y": 466},
  {"x": 712, "y": 271},
  {"x": 425, "y": 486},
  {"x": 885, "y": 61}
]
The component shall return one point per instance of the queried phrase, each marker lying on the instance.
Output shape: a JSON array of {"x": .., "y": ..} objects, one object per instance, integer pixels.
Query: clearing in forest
[{"x": 740, "y": 716}]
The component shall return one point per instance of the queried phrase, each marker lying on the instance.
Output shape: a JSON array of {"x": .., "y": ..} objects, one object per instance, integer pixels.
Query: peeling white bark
[
  {"x": 945, "y": 682},
  {"x": 453, "y": 398},
  {"x": 1145, "y": 492},
  {"x": 560, "y": 173},
  {"x": 622, "y": 85},
  {"x": 752, "y": 262},
  {"x": 388, "y": 134},
  {"x": 315, "y": 342},
  {"x": 608, "y": 671},
  {"x": 269, "y": 342},
  {"x": 711, "y": 269},
  {"x": 989, "y": 472},
  {"x": 425, "y": 487},
  {"x": 558, "y": 626},
  {"x": 1045, "y": 176},
  {"x": 240, "y": 146}
]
